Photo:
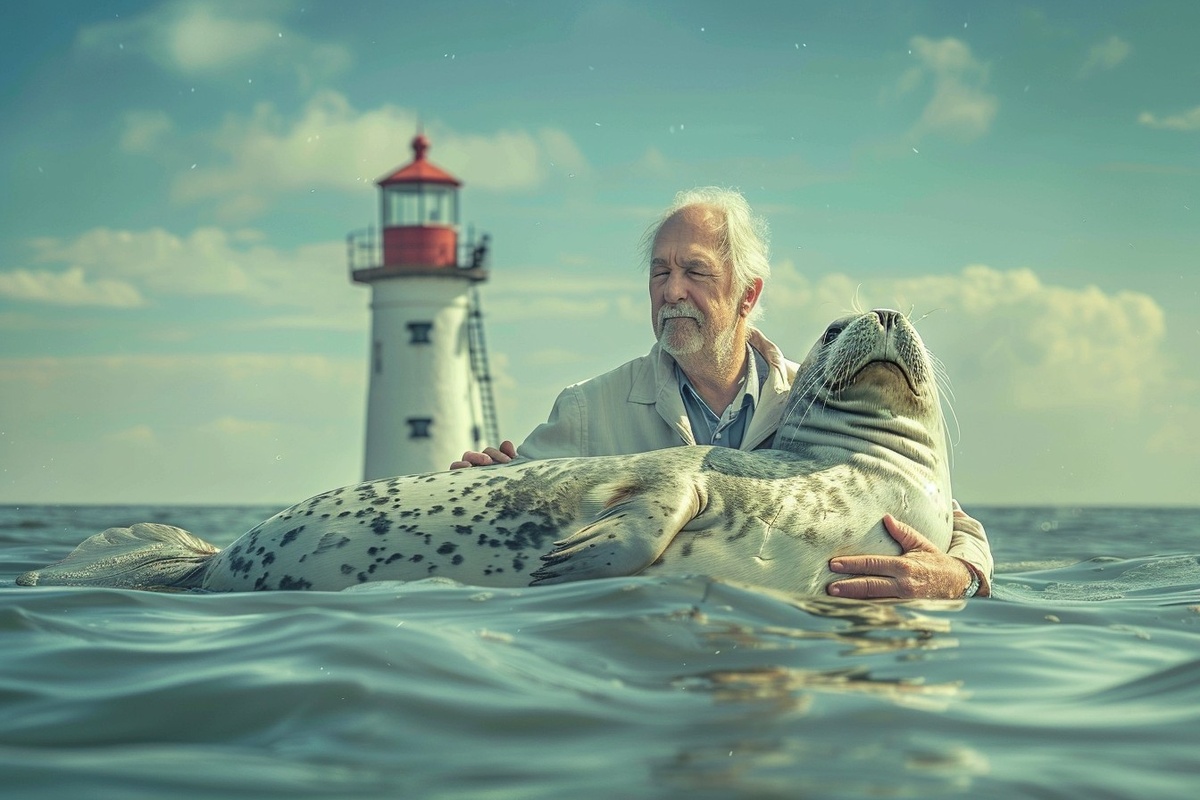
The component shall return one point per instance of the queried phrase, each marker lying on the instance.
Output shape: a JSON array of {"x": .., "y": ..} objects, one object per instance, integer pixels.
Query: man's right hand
[{"x": 490, "y": 455}]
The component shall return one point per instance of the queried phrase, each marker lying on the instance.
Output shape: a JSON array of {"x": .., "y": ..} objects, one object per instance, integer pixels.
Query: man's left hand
[{"x": 921, "y": 570}]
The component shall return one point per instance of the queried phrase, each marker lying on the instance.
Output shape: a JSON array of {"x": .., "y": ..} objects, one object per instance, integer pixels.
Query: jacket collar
[{"x": 655, "y": 384}]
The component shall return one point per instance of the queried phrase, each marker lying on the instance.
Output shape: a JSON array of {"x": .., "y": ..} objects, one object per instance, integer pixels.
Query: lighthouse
[{"x": 429, "y": 395}]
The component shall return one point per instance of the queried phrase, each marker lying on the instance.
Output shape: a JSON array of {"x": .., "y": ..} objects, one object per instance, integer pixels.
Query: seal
[{"x": 862, "y": 435}]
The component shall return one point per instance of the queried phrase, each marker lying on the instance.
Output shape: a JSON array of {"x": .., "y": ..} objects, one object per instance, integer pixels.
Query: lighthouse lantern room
[{"x": 429, "y": 395}]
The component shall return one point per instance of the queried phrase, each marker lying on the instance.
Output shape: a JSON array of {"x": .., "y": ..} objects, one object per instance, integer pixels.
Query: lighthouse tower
[{"x": 430, "y": 391}]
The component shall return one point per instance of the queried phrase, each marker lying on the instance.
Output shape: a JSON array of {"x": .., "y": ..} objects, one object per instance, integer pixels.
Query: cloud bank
[
  {"x": 131, "y": 269},
  {"x": 1038, "y": 346},
  {"x": 251, "y": 160},
  {"x": 68, "y": 288}
]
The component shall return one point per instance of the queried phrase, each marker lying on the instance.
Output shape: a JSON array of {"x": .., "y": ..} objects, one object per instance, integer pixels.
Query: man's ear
[{"x": 751, "y": 295}]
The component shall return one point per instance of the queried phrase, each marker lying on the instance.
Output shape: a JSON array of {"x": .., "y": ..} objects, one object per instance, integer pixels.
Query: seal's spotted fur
[{"x": 862, "y": 437}]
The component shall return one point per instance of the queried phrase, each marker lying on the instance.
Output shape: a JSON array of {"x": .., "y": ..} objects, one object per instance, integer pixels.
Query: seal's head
[{"x": 868, "y": 381}]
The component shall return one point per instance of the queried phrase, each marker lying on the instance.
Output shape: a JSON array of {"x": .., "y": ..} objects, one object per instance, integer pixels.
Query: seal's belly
[{"x": 781, "y": 534}]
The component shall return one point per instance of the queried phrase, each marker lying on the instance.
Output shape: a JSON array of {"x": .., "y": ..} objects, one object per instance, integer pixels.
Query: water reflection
[
  {"x": 845, "y": 689},
  {"x": 789, "y": 688},
  {"x": 861, "y": 630}
]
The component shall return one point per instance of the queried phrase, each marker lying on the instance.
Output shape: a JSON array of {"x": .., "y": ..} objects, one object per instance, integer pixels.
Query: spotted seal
[{"x": 862, "y": 436}]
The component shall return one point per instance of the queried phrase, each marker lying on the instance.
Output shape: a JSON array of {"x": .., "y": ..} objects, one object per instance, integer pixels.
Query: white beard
[{"x": 688, "y": 336}]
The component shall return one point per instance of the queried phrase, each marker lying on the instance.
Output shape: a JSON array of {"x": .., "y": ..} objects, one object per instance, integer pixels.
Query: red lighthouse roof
[{"x": 419, "y": 170}]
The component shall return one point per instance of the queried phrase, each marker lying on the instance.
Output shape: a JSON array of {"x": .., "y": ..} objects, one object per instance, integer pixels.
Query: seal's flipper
[
  {"x": 625, "y": 538},
  {"x": 145, "y": 556}
]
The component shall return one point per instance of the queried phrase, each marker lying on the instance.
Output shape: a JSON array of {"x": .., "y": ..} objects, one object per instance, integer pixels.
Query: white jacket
[{"x": 637, "y": 407}]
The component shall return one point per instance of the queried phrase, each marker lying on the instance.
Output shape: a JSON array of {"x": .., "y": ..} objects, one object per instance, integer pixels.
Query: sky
[{"x": 177, "y": 323}]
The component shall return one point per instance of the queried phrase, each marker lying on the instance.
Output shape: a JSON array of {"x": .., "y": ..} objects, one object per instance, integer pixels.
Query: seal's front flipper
[
  {"x": 629, "y": 535},
  {"x": 145, "y": 556}
]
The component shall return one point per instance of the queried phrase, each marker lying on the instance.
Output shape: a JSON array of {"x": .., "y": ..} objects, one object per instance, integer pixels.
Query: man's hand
[
  {"x": 921, "y": 570},
  {"x": 490, "y": 455}
]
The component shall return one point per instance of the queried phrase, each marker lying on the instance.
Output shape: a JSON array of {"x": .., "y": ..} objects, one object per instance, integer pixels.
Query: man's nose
[{"x": 675, "y": 287}]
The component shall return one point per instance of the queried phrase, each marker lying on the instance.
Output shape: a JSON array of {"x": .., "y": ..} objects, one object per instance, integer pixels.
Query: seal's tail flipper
[{"x": 144, "y": 556}]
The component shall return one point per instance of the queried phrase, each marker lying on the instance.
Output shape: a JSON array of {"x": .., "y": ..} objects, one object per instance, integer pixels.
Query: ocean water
[{"x": 1079, "y": 678}]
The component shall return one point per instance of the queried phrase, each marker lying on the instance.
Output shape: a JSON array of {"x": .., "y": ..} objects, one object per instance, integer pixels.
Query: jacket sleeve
[
  {"x": 564, "y": 434},
  {"x": 969, "y": 543}
]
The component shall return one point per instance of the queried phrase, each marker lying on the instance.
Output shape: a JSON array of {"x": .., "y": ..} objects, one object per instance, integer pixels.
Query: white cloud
[
  {"x": 1043, "y": 346},
  {"x": 1065, "y": 348},
  {"x": 143, "y": 130},
  {"x": 1105, "y": 55},
  {"x": 332, "y": 145},
  {"x": 209, "y": 261},
  {"x": 949, "y": 56},
  {"x": 1186, "y": 121},
  {"x": 201, "y": 263},
  {"x": 199, "y": 38},
  {"x": 959, "y": 107},
  {"x": 70, "y": 287}
]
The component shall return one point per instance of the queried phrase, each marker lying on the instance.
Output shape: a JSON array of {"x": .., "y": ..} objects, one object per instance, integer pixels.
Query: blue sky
[{"x": 177, "y": 323}]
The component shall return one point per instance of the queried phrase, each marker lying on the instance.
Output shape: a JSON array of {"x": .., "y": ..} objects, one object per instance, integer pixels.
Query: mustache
[{"x": 684, "y": 310}]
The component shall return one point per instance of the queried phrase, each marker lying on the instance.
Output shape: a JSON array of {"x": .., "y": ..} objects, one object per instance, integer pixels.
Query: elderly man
[{"x": 714, "y": 379}]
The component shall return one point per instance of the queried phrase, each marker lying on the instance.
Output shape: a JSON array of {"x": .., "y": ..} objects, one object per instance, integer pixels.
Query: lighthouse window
[
  {"x": 419, "y": 331},
  {"x": 438, "y": 206},
  {"x": 418, "y": 427},
  {"x": 401, "y": 207},
  {"x": 377, "y": 356}
]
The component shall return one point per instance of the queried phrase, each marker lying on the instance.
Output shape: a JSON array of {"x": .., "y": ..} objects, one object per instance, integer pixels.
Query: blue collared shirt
[{"x": 728, "y": 429}]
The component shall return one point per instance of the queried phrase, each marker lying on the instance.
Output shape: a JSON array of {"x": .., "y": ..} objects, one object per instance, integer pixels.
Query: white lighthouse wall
[{"x": 423, "y": 381}]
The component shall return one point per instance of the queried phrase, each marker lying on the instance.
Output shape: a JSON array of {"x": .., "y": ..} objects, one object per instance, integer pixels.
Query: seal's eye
[{"x": 831, "y": 333}]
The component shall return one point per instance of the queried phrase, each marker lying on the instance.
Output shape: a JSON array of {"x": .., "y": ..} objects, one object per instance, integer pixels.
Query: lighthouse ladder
[{"x": 479, "y": 368}]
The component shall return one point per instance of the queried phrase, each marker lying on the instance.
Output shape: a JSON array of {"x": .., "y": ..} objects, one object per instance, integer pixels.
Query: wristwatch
[{"x": 973, "y": 586}]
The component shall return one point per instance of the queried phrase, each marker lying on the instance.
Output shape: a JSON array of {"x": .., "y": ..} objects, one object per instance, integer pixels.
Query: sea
[{"x": 1079, "y": 678}]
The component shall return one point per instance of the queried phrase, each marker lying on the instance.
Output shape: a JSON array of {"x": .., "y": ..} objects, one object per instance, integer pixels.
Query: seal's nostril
[{"x": 887, "y": 317}]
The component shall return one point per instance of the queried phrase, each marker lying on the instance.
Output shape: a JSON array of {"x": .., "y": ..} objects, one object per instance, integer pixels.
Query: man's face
[{"x": 693, "y": 303}]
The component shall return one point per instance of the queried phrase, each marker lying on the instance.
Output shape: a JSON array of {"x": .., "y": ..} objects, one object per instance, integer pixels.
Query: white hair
[{"x": 743, "y": 237}]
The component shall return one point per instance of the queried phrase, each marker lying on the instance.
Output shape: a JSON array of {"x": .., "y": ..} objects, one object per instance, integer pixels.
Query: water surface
[{"x": 1080, "y": 678}]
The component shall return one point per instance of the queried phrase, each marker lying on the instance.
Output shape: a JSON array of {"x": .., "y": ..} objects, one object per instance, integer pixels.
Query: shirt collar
[{"x": 750, "y": 384}]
